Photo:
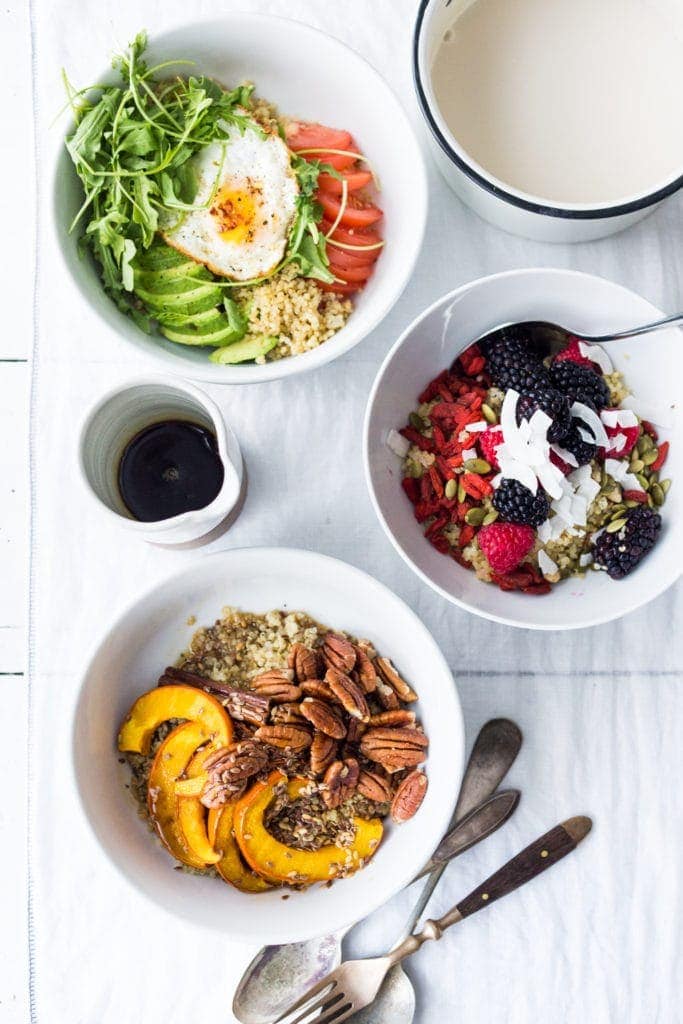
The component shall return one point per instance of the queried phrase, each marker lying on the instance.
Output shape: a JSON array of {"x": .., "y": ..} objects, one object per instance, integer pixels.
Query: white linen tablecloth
[{"x": 599, "y": 939}]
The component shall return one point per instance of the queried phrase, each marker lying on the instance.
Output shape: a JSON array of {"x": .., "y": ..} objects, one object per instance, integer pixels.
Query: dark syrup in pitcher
[{"x": 170, "y": 468}]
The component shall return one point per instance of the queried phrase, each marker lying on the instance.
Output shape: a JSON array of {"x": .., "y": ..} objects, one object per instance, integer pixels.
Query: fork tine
[
  {"x": 327, "y": 986},
  {"x": 337, "y": 1015},
  {"x": 326, "y": 1003}
]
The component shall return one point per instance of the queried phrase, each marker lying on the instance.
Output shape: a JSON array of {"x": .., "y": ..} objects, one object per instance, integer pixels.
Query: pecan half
[
  {"x": 340, "y": 781},
  {"x": 325, "y": 717},
  {"x": 304, "y": 662},
  {"x": 398, "y": 717},
  {"x": 395, "y": 749},
  {"x": 408, "y": 797},
  {"x": 277, "y": 684},
  {"x": 367, "y": 676},
  {"x": 387, "y": 697},
  {"x": 349, "y": 694},
  {"x": 374, "y": 786},
  {"x": 229, "y": 769},
  {"x": 338, "y": 652},
  {"x": 287, "y": 713},
  {"x": 355, "y": 730},
  {"x": 391, "y": 677},
  {"x": 285, "y": 737},
  {"x": 317, "y": 688},
  {"x": 323, "y": 752}
]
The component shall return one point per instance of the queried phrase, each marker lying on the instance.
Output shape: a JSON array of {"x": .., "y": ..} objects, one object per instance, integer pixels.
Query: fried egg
[{"x": 248, "y": 192}]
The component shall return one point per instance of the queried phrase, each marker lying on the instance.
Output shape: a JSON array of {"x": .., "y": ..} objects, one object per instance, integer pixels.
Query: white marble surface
[{"x": 599, "y": 938}]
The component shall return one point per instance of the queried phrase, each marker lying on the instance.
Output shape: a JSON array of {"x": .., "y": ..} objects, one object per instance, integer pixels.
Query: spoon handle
[
  {"x": 657, "y": 325},
  {"x": 493, "y": 753},
  {"x": 529, "y": 863}
]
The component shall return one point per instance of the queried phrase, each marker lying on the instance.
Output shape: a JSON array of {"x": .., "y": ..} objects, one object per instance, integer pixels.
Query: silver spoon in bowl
[
  {"x": 547, "y": 339},
  {"x": 280, "y": 974}
]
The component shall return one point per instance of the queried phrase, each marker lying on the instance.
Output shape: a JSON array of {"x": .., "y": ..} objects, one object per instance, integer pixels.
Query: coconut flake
[
  {"x": 399, "y": 444},
  {"x": 619, "y": 418},
  {"x": 514, "y": 469},
  {"x": 551, "y": 478},
  {"x": 475, "y": 428},
  {"x": 469, "y": 453},
  {"x": 616, "y": 442},
  {"x": 618, "y": 469},
  {"x": 546, "y": 564},
  {"x": 563, "y": 454},
  {"x": 585, "y": 559},
  {"x": 592, "y": 420},
  {"x": 596, "y": 354}
]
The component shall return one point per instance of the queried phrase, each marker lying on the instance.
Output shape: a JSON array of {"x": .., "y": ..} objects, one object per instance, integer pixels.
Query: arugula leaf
[
  {"x": 306, "y": 245},
  {"x": 131, "y": 145}
]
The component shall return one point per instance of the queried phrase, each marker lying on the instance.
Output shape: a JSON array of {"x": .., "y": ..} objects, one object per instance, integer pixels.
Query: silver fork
[{"x": 354, "y": 984}]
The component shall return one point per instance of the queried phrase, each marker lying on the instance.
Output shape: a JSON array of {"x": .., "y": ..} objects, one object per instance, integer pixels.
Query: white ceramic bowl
[
  {"x": 332, "y": 85},
  {"x": 493, "y": 199},
  {"x": 151, "y": 634},
  {"x": 653, "y": 368}
]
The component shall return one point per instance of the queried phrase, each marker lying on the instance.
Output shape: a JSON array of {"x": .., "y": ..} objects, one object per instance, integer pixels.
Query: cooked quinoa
[{"x": 295, "y": 310}]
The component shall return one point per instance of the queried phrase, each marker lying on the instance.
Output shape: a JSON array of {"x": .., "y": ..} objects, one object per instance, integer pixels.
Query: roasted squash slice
[
  {"x": 279, "y": 863},
  {"x": 231, "y": 866},
  {"x": 171, "y": 760},
  {"x": 165, "y": 702},
  {"x": 192, "y": 815}
]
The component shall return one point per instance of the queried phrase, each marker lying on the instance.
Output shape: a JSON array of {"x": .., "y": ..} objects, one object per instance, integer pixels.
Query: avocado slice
[
  {"x": 202, "y": 296},
  {"x": 152, "y": 280},
  {"x": 216, "y": 332},
  {"x": 160, "y": 257},
  {"x": 251, "y": 347},
  {"x": 159, "y": 286}
]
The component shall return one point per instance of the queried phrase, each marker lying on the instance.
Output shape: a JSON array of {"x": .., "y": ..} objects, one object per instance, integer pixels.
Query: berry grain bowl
[{"x": 535, "y": 491}]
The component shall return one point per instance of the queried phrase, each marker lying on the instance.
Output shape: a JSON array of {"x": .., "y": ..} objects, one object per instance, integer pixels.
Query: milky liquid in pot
[{"x": 568, "y": 100}]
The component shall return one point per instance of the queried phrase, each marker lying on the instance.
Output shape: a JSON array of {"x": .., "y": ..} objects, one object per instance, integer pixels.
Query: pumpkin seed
[
  {"x": 632, "y": 504},
  {"x": 650, "y": 502},
  {"x": 618, "y": 512},
  {"x": 477, "y": 466},
  {"x": 658, "y": 495},
  {"x": 451, "y": 489},
  {"x": 462, "y": 493},
  {"x": 650, "y": 457},
  {"x": 665, "y": 485},
  {"x": 645, "y": 444},
  {"x": 637, "y": 466},
  {"x": 475, "y": 516},
  {"x": 643, "y": 481},
  {"x": 417, "y": 422},
  {"x": 488, "y": 413},
  {"x": 615, "y": 525},
  {"x": 490, "y": 517},
  {"x": 414, "y": 470}
]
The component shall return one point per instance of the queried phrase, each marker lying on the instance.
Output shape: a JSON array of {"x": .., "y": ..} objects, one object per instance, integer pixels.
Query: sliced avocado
[
  {"x": 216, "y": 332},
  {"x": 151, "y": 279},
  {"x": 160, "y": 286},
  {"x": 204, "y": 295},
  {"x": 207, "y": 318},
  {"x": 159, "y": 257},
  {"x": 251, "y": 347}
]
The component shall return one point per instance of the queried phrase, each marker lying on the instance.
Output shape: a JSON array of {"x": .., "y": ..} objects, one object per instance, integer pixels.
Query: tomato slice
[
  {"x": 353, "y": 237},
  {"x": 351, "y": 275},
  {"x": 354, "y": 180},
  {"x": 346, "y": 258},
  {"x": 341, "y": 289},
  {"x": 357, "y": 214},
  {"x": 308, "y": 135}
]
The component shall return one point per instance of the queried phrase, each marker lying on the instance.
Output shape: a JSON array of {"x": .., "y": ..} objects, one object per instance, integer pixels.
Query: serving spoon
[
  {"x": 547, "y": 339},
  {"x": 280, "y": 974}
]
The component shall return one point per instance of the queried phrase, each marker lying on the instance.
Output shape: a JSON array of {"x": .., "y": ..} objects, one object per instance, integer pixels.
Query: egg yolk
[{"x": 234, "y": 211}]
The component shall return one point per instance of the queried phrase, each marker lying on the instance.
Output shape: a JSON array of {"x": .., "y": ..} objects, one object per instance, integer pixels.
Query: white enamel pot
[{"x": 500, "y": 204}]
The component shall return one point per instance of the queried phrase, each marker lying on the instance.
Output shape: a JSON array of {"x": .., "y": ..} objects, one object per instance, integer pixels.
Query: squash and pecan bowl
[{"x": 281, "y": 771}]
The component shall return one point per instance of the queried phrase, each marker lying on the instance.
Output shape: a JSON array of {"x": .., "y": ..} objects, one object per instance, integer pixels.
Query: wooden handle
[{"x": 537, "y": 857}]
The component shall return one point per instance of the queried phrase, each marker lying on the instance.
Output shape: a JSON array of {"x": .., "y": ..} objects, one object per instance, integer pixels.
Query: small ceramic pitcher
[{"x": 125, "y": 411}]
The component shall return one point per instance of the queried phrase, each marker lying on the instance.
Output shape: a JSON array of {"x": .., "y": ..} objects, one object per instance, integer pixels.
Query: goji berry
[
  {"x": 650, "y": 429},
  {"x": 662, "y": 453},
  {"x": 411, "y": 487},
  {"x": 425, "y": 444},
  {"x": 475, "y": 485},
  {"x": 639, "y": 496}
]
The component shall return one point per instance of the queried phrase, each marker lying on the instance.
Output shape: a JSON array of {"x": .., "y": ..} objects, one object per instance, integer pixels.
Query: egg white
[{"x": 248, "y": 191}]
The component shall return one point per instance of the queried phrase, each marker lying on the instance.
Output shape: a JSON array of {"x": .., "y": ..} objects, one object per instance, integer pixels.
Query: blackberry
[
  {"x": 512, "y": 365},
  {"x": 517, "y": 504},
  {"x": 580, "y": 383},
  {"x": 552, "y": 403},
  {"x": 619, "y": 553},
  {"x": 583, "y": 451}
]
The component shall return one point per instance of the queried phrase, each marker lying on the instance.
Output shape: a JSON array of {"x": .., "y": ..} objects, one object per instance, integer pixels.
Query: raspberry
[
  {"x": 630, "y": 433},
  {"x": 573, "y": 354},
  {"x": 489, "y": 440},
  {"x": 505, "y": 544}
]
